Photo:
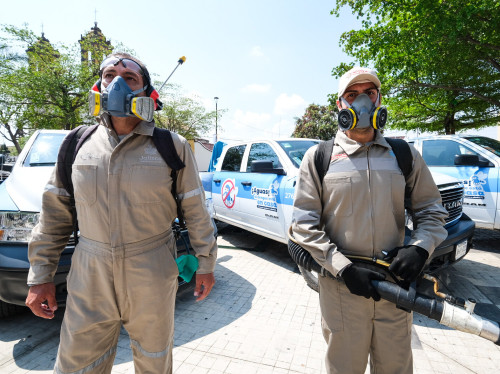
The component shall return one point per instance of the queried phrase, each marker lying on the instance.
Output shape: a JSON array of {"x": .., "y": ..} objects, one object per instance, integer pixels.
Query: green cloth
[{"x": 187, "y": 264}]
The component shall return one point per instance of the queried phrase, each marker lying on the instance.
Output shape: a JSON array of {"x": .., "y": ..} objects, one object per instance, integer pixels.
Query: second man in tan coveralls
[
  {"x": 358, "y": 209},
  {"x": 123, "y": 269}
]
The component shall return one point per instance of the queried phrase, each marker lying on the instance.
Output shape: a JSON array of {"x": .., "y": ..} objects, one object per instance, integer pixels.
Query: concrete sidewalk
[{"x": 262, "y": 318}]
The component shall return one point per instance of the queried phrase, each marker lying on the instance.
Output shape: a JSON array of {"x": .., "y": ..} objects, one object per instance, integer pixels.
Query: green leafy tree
[
  {"x": 439, "y": 61},
  {"x": 45, "y": 88},
  {"x": 184, "y": 115},
  {"x": 318, "y": 122}
]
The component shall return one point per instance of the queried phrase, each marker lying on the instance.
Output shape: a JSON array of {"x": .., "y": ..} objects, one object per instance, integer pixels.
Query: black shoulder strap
[
  {"x": 82, "y": 139},
  {"x": 403, "y": 155},
  {"x": 322, "y": 157},
  {"x": 165, "y": 146},
  {"x": 66, "y": 156},
  {"x": 162, "y": 138},
  {"x": 404, "y": 158}
]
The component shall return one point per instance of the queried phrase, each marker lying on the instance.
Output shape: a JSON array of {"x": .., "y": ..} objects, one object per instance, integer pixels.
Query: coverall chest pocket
[
  {"x": 149, "y": 184},
  {"x": 337, "y": 196},
  {"x": 85, "y": 183}
]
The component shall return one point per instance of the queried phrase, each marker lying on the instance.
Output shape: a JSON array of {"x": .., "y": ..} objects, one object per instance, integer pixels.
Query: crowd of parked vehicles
[{"x": 251, "y": 185}]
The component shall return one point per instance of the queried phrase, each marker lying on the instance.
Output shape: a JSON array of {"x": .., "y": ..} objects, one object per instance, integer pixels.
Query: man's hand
[
  {"x": 37, "y": 295},
  {"x": 407, "y": 262},
  {"x": 359, "y": 281},
  {"x": 204, "y": 284}
]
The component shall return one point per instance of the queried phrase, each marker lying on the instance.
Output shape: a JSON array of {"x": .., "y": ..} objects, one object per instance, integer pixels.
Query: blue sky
[{"x": 265, "y": 60}]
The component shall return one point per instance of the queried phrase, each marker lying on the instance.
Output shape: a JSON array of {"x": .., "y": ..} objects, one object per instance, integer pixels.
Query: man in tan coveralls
[
  {"x": 123, "y": 269},
  {"x": 358, "y": 209}
]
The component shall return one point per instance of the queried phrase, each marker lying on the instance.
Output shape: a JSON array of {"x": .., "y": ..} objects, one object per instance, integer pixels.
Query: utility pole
[{"x": 216, "y": 100}]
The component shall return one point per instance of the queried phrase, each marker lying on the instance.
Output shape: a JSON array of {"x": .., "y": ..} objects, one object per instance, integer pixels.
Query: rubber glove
[
  {"x": 407, "y": 262},
  {"x": 358, "y": 281}
]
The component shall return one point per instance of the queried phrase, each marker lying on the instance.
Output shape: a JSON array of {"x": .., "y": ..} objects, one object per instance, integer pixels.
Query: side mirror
[
  {"x": 265, "y": 167},
  {"x": 471, "y": 160}
]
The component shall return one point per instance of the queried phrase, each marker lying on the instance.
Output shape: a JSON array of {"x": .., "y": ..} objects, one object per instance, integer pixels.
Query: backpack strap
[
  {"x": 66, "y": 156},
  {"x": 403, "y": 155},
  {"x": 164, "y": 143},
  {"x": 82, "y": 139},
  {"x": 404, "y": 158},
  {"x": 322, "y": 157},
  {"x": 162, "y": 138}
]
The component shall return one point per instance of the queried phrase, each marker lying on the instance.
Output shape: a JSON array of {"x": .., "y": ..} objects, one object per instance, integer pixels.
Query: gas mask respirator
[
  {"x": 119, "y": 100},
  {"x": 362, "y": 113}
]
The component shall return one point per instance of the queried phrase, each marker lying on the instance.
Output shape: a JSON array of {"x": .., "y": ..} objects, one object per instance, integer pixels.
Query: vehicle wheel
[
  {"x": 311, "y": 278},
  {"x": 7, "y": 310}
]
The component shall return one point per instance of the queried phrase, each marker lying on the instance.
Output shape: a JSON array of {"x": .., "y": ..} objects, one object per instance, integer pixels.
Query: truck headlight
[{"x": 17, "y": 226}]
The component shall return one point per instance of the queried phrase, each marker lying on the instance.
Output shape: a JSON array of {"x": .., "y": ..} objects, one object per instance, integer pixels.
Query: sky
[{"x": 266, "y": 60}]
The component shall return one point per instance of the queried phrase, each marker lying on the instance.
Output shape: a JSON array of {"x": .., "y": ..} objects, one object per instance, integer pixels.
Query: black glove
[
  {"x": 407, "y": 261},
  {"x": 358, "y": 281}
]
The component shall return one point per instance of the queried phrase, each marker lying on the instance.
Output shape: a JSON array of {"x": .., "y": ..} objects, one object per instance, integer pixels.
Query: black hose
[
  {"x": 438, "y": 310},
  {"x": 304, "y": 259},
  {"x": 405, "y": 299}
]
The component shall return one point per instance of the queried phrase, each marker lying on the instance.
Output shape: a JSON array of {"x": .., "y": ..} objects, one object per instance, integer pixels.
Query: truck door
[
  {"x": 480, "y": 182},
  {"x": 261, "y": 191},
  {"x": 225, "y": 185}
]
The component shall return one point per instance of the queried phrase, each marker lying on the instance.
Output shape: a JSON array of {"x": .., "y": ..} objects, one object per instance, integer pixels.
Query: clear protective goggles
[{"x": 114, "y": 60}]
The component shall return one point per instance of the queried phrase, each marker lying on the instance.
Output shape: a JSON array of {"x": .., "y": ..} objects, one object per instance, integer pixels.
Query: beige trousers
[
  {"x": 107, "y": 287},
  {"x": 355, "y": 327}
]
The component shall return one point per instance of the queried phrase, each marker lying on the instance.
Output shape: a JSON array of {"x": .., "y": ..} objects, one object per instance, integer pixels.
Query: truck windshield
[
  {"x": 489, "y": 144},
  {"x": 44, "y": 150},
  {"x": 295, "y": 149}
]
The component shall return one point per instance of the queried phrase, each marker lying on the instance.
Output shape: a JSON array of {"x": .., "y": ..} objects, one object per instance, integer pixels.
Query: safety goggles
[{"x": 116, "y": 60}]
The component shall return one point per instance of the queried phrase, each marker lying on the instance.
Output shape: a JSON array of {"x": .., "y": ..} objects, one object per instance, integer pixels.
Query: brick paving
[{"x": 262, "y": 318}]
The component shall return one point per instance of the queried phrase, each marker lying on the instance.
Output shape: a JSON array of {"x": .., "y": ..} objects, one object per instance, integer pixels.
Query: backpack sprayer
[{"x": 447, "y": 310}]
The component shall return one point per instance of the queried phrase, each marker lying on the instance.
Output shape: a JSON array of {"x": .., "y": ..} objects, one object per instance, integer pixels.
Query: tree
[
  {"x": 45, "y": 88},
  {"x": 184, "y": 115},
  {"x": 439, "y": 61},
  {"x": 318, "y": 122}
]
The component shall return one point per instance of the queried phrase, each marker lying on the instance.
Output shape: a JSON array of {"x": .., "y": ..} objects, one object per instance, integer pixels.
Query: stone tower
[
  {"x": 41, "y": 53},
  {"x": 94, "y": 46}
]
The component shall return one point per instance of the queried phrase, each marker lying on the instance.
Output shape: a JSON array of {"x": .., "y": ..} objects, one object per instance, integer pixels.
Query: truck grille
[{"x": 452, "y": 195}]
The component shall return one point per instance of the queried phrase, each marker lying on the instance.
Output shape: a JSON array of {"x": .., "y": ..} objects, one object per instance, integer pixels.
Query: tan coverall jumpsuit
[
  {"x": 123, "y": 270},
  {"x": 359, "y": 210}
]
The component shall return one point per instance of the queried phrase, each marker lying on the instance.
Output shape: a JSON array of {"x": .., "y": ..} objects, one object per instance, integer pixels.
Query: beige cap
[{"x": 358, "y": 75}]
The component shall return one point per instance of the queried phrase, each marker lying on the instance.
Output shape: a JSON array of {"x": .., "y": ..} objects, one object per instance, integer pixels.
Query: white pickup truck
[
  {"x": 252, "y": 185},
  {"x": 475, "y": 160}
]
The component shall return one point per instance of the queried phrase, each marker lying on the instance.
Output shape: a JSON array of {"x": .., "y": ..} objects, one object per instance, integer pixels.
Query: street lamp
[{"x": 216, "y": 99}]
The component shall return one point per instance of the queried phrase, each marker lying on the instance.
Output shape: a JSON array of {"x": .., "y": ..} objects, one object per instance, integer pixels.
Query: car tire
[
  {"x": 311, "y": 278},
  {"x": 7, "y": 310}
]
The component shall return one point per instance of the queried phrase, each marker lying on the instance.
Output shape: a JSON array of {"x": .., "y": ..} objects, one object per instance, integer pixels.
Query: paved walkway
[{"x": 262, "y": 318}]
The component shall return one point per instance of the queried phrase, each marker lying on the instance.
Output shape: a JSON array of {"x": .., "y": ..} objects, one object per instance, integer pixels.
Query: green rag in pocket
[{"x": 187, "y": 264}]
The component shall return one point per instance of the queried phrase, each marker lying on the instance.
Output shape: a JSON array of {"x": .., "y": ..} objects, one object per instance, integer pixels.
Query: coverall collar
[
  {"x": 142, "y": 128},
  {"x": 351, "y": 146}
]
